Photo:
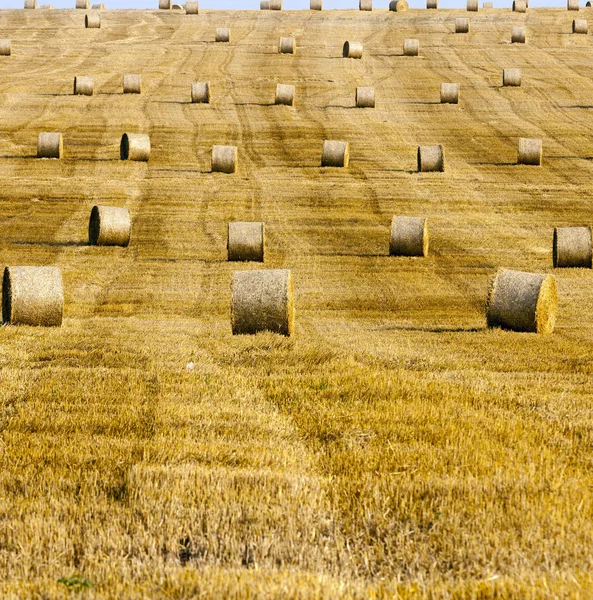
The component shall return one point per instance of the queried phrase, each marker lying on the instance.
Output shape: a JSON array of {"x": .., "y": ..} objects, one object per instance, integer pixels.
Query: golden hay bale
[
  {"x": 365, "y": 97},
  {"x": 176, "y": 7},
  {"x": 449, "y": 93},
  {"x": 135, "y": 146},
  {"x": 518, "y": 35},
  {"x": 365, "y": 4},
  {"x": 588, "y": 5},
  {"x": 431, "y": 158},
  {"x": 572, "y": 5},
  {"x": 352, "y": 50},
  {"x": 472, "y": 5},
  {"x": 264, "y": 5},
  {"x": 83, "y": 85},
  {"x": 165, "y": 4},
  {"x": 487, "y": 5},
  {"x": 409, "y": 236},
  {"x": 223, "y": 34},
  {"x": 522, "y": 301},
  {"x": 572, "y": 247},
  {"x": 580, "y": 26},
  {"x": 84, "y": 4},
  {"x": 287, "y": 45},
  {"x": 50, "y": 145},
  {"x": 275, "y": 4},
  {"x": 511, "y": 77},
  {"x": 316, "y": 5},
  {"x": 411, "y": 47},
  {"x": 284, "y": 94},
  {"x": 132, "y": 84},
  {"x": 519, "y": 6},
  {"x": 335, "y": 154},
  {"x": 92, "y": 21},
  {"x": 30, "y": 3},
  {"x": 245, "y": 242},
  {"x": 109, "y": 226},
  {"x": 46, "y": 6},
  {"x": 530, "y": 152},
  {"x": 398, "y": 6},
  {"x": 200, "y": 92},
  {"x": 262, "y": 301},
  {"x": 224, "y": 159},
  {"x": 32, "y": 296},
  {"x": 98, "y": 7},
  {"x": 192, "y": 8},
  {"x": 432, "y": 4},
  {"x": 461, "y": 25},
  {"x": 5, "y": 47}
]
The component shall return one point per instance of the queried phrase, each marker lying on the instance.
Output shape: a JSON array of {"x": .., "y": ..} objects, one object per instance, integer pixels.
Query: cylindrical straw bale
[
  {"x": 518, "y": 35},
  {"x": 46, "y": 6},
  {"x": 192, "y": 8},
  {"x": 449, "y": 93},
  {"x": 275, "y": 4},
  {"x": 246, "y": 242},
  {"x": 132, "y": 84},
  {"x": 472, "y": 5},
  {"x": 32, "y": 296},
  {"x": 432, "y": 4},
  {"x": 411, "y": 47},
  {"x": 264, "y": 5},
  {"x": 135, "y": 146},
  {"x": 165, "y": 4},
  {"x": 573, "y": 247},
  {"x": 50, "y": 145},
  {"x": 262, "y": 301},
  {"x": 109, "y": 226},
  {"x": 519, "y": 6},
  {"x": 522, "y": 301},
  {"x": 365, "y": 4},
  {"x": 409, "y": 236},
  {"x": 365, "y": 97},
  {"x": 431, "y": 158},
  {"x": 398, "y": 6},
  {"x": 572, "y": 5},
  {"x": 287, "y": 45},
  {"x": 5, "y": 47},
  {"x": 92, "y": 21},
  {"x": 30, "y": 3},
  {"x": 511, "y": 77},
  {"x": 335, "y": 154},
  {"x": 223, "y": 34},
  {"x": 580, "y": 26},
  {"x": 530, "y": 152},
  {"x": 200, "y": 92},
  {"x": 83, "y": 85},
  {"x": 487, "y": 5},
  {"x": 176, "y": 7},
  {"x": 285, "y": 94},
  {"x": 352, "y": 50},
  {"x": 462, "y": 25},
  {"x": 98, "y": 6},
  {"x": 224, "y": 159},
  {"x": 316, "y": 5},
  {"x": 588, "y": 5},
  {"x": 84, "y": 4}
]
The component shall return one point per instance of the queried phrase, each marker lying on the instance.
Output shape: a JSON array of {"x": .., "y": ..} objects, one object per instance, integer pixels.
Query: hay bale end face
[
  {"x": 472, "y": 5},
  {"x": 431, "y": 158},
  {"x": 92, "y": 21},
  {"x": 262, "y": 301},
  {"x": 335, "y": 154},
  {"x": 365, "y": 4},
  {"x": 518, "y": 35},
  {"x": 287, "y": 46},
  {"x": 30, "y": 4},
  {"x": 572, "y": 5},
  {"x": 572, "y": 247},
  {"x": 580, "y": 26},
  {"x": 398, "y": 6},
  {"x": 50, "y": 145},
  {"x": 132, "y": 84},
  {"x": 519, "y": 6},
  {"x": 200, "y": 92},
  {"x": 284, "y": 94},
  {"x": 109, "y": 226},
  {"x": 462, "y": 25},
  {"x": 5, "y": 47},
  {"x": 365, "y": 97},
  {"x": 316, "y": 5},
  {"x": 511, "y": 77},
  {"x": 165, "y": 4},
  {"x": 352, "y": 50},
  {"x": 411, "y": 47},
  {"x": 135, "y": 146},
  {"x": 83, "y": 85},
  {"x": 192, "y": 8},
  {"x": 409, "y": 236},
  {"x": 83, "y": 4},
  {"x": 245, "y": 242},
  {"x": 224, "y": 159},
  {"x": 530, "y": 152},
  {"x": 275, "y": 4},
  {"x": 449, "y": 93},
  {"x": 432, "y": 4},
  {"x": 223, "y": 34},
  {"x": 520, "y": 301}
]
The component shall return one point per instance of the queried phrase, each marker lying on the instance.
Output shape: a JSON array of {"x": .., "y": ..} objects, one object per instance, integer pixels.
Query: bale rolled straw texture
[
  {"x": 223, "y": 34},
  {"x": 462, "y": 25},
  {"x": 83, "y": 85},
  {"x": 262, "y": 301},
  {"x": 511, "y": 77},
  {"x": 432, "y": 4},
  {"x": 431, "y": 158},
  {"x": 411, "y": 47},
  {"x": 287, "y": 45},
  {"x": 109, "y": 226},
  {"x": 284, "y": 94},
  {"x": 335, "y": 154},
  {"x": 449, "y": 93},
  {"x": 365, "y": 97},
  {"x": 224, "y": 159},
  {"x": 409, "y": 236},
  {"x": 200, "y": 92},
  {"x": 580, "y": 26},
  {"x": 192, "y": 8},
  {"x": 529, "y": 152},
  {"x": 98, "y": 6},
  {"x": 50, "y": 145},
  {"x": 487, "y": 5},
  {"x": 365, "y": 4},
  {"x": 518, "y": 35},
  {"x": 572, "y": 247},
  {"x": 522, "y": 301},
  {"x": 519, "y": 6},
  {"x": 32, "y": 296},
  {"x": 165, "y": 4},
  {"x": 316, "y": 5},
  {"x": 132, "y": 84},
  {"x": 92, "y": 21},
  {"x": 135, "y": 146},
  {"x": 472, "y": 5},
  {"x": 5, "y": 47},
  {"x": 398, "y": 6},
  {"x": 352, "y": 50},
  {"x": 176, "y": 7},
  {"x": 264, "y": 5},
  {"x": 83, "y": 4},
  {"x": 30, "y": 4},
  {"x": 275, "y": 4},
  {"x": 572, "y": 5},
  {"x": 246, "y": 241}
]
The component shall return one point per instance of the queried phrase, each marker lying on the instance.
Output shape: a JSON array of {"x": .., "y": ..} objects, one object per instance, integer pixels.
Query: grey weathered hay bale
[
  {"x": 284, "y": 94},
  {"x": 5, "y": 47},
  {"x": 262, "y": 301},
  {"x": 572, "y": 5},
  {"x": 487, "y": 5},
  {"x": 573, "y": 247},
  {"x": 135, "y": 146},
  {"x": 200, "y": 92},
  {"x": 264, "y": 5},
  {"x": 519, "y": 6},
  {"x": 530, "y": 152},
  {"x": 98, "y": 7},
  {"x": 165, "y": 4},
  {"x": 109, "y": 226},
  {"x": 449, "y": 93},
  {"x": 92, "y": 21},
  {"x": 365, "y": 4},
  {"x": 518, "y": 35},
  {"x": 511, "y": 77},
  {"x": 411, "y": 47},
  {"x": 316, "y": 5},
  {"x": 223, "y": 34},
  {"x": 580, "y": 26},
  {"x": 246, "y": 241},
  {"x": 83, "y": 85},
  {"x": 472, "y": 5},
  {"x": 32, "y": 296},
  {"x": 275, "y": 4},
  {"x": 365, "y": 97},
  {"x": 287, "y": 45},
  {"x": 432, "y": 4},
  {"x": 224, "y": 159},
  {"x": 522, "y": 301},
  {"x": 398, "y": 6},
  {"x": 462, "y": 25},
  {"x": 84, "y": 4},
  {"x": 352, "y": 50},
  {"x": 132, "y": 84},
  {"x": 50, "y": 145},
  {"x": 431, "y": 158},
  {"x": 192, "y": 8},
  {"x": 409, "y": 236},
  {"x": 30, "y": 3},
  {"x": 335, "y": 154}
]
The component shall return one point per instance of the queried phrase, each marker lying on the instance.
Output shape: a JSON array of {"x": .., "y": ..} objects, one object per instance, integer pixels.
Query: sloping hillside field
[{"x": 394, "y": 446}]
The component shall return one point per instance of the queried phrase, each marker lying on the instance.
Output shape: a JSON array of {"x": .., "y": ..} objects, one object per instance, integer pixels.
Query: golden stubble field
[{"x": 394, "y": 447}]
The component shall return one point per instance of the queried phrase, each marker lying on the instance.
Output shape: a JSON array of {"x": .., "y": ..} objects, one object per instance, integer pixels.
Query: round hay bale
[
  {"x": 522, "y": 301},
  {"x": 32, "y": 296},
  {"x": 411, "y": 47},
  {"x": 487, "y": 5},
  {"x": 83, "y": 4},
  {"x": 511, "y": 77},
  {"x": 30, "y": 4},
  {"x": 92, "y": 21},
  {"x": 109, "y": 226},
  {"x": 176, "y": 7},
  {"x": 46, "y": 6},
  {"x": 580, "y": 26},
  {"x": 365, "y": 97},
  {"x": 432, "y": 4},
  {"x": 472, "y": 5},
  {"x": 200, "y": 92},
  {"x": 192, "y": 8},
  {"x": 284, "y": 94},
  {"x": 5, "y": 47},
  {"x": 519, "y": 6},
  {"x": 224, "y": 159},
  {"x": 365, "y": 4},
  {"x": 316, "y": 5},
  {"x": 98, "y": 7},
  {"x": 572, "y": 247},
  {"x": 588, "y": 5},
  {"x": 223, "y": 34},
  {"x": 275, "y": 4},
  {"x": 431, "y": 158},
  {"x": 165, "y": 4},
  {"x": 572, "y": 5},
  {"x": 409, "y": 236},
  {"x": 264, "y": 5},
  {"x": 449, "y": 93},
  {"x": 287, "y": 46},
  {"x": 398, "y": 6},
  {"x": 518, "y": 35},
  {"x": 132, "y": 84},
  {"x": 83, "y": 85},
  {"x": 245, "y": 242},
  {"x": 262, "y": 301},
  {"x": 462, "y": 25},
  {"x": 50, "y": 145},
  {"x": 335, "y": 154},
  {"x": 135, "y": 146},
  {"x": 530, "y": 152},
  {"x": 352, "y": 50}
]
